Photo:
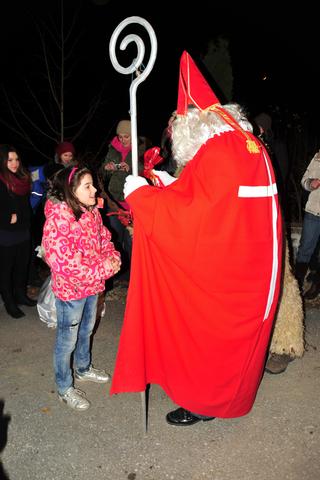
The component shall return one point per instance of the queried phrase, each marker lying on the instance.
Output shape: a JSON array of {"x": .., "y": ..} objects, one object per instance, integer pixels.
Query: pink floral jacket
[{"x": 78, "y": 252}]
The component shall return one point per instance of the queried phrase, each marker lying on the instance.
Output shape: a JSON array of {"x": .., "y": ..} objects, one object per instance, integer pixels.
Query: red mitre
[{"x": 193, "y": 88}]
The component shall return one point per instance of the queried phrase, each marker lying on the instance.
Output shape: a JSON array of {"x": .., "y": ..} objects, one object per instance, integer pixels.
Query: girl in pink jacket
[{"x": 78, "y": 249}]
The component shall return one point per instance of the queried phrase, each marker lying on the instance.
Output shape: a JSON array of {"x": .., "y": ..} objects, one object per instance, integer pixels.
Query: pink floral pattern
[{"x": 79, "y": 252}]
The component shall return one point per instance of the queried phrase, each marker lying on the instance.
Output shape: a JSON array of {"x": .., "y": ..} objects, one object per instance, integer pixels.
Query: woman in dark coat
[
  {"x": 15, "y": 219},
  {"x": 113, "y": 172}
]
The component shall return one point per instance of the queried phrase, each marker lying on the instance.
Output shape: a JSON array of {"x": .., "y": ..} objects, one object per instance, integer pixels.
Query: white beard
[{"x": 191, "y": 131}]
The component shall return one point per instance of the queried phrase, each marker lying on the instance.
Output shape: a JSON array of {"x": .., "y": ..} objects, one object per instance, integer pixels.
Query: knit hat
[
  {"x": 65, "y": 147},
  {"x": 124, "y": 127},
  {"x": 193, "y": 88}
]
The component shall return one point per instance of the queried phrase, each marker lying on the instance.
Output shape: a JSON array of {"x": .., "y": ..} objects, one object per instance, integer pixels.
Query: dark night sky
[{"x": 262, "y": 41}]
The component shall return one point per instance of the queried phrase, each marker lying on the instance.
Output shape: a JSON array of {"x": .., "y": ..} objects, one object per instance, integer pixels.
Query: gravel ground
[{"x": 278, "y": 440}]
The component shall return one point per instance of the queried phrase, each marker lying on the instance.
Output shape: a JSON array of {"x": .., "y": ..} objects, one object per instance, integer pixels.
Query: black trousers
[{"x": 14, "y": 264}]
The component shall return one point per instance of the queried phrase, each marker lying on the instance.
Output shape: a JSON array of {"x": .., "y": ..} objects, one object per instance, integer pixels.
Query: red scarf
[
  {"x": 115, "y": 142},
  {"x": 19, "y": 186}
]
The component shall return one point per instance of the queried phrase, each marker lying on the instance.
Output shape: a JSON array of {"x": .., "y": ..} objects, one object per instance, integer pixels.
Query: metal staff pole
[
  {"x": 134, "y": 67},
  {"x": 140, "y": 77}
]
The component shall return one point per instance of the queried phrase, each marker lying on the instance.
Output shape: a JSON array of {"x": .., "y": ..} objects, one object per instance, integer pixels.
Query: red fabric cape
[{"x": 200, "y": 279}]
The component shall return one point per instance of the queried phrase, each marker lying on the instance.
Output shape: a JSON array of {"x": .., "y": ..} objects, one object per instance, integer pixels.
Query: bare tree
[{"x": 38, "y": 113}]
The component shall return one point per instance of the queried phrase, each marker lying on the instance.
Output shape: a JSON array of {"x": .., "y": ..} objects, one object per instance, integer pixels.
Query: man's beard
[{"x": 191, "y": 131}]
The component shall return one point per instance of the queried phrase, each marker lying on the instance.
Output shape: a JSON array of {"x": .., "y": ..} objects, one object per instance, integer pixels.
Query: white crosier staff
[
  {"x": 134, "y": 67},
  {"x": 141, "y": 75}
]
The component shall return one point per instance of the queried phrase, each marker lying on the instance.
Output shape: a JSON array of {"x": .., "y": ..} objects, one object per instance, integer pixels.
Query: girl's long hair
[
  {"x": 18, "y": 182},
  {"x": 63, "y": 185},
  {"x": 4, "y": 154}
]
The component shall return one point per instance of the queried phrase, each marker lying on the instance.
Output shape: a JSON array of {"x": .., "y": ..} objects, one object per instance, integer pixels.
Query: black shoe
[
  {"x": 24, "y": 300},
  {"x": 13, "y": 310},
  {"x": 182, "y": 417}
]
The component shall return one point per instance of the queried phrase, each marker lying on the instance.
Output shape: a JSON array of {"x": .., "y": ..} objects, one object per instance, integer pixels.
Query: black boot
[
  {"x": 13, "y": 310},
  {"x": 10, "y": 305},
  {"x": 23, "y": 299},
  {"x": 300, "y": 272}
]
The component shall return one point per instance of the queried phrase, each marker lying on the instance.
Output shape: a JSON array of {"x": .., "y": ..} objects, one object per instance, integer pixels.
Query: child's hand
[{"x": 116, "y": 264}]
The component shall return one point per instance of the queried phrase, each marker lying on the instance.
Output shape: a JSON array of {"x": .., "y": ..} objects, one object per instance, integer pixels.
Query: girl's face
[
  {"x": 125, "y": 139},
  {"x": 86, "y": 192},
  {"x": 13, "y": 162},
  {"x": 66, "y": 158}
]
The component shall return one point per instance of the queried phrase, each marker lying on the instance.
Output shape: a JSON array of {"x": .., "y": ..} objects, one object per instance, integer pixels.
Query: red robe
[{"x": 204, "y": 281}]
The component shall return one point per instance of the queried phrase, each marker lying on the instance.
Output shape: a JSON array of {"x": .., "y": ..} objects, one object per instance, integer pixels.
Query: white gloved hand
[
  {"x": 132, "y": 183},
  {"x": 164, "y": 176}
]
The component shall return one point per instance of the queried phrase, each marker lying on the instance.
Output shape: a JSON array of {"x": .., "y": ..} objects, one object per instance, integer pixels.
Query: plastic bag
[{"x": 47, "y": 304}]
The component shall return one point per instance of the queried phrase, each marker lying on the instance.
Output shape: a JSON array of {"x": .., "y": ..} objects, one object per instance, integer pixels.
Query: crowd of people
[{"x": 202, "y": 205}]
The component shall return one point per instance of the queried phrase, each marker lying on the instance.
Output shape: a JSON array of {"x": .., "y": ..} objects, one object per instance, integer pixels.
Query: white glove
[
  {"x": 132, "y": 183},
  {"x": 164, "y": 176}
]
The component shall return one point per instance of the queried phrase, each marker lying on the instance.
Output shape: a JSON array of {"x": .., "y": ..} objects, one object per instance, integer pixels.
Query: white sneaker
[
  {"x": 75, "y": 399},
  {"x": 93, "y": 375}
]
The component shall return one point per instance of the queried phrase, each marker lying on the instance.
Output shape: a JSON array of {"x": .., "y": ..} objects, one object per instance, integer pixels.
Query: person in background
[
  {"x": 65, "y": 154},
  {"x": 78, "y": 249},
  {"x": 116, "y": 166},
  {"x": 15, "y": 226},
  {"x": 310, "y": 234},
  {"x": 119, "y": 151},
  {"x": 64, "y": 157},
  {"x": 118, "y": 163},
  {"x": 206, "y": 264}
]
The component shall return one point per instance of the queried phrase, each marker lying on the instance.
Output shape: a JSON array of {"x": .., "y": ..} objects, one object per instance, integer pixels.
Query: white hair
[{"x": 191, "y": 131}]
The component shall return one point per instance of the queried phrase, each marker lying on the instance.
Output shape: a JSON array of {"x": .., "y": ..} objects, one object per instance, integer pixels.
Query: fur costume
[{"x": 288, "y": 333}]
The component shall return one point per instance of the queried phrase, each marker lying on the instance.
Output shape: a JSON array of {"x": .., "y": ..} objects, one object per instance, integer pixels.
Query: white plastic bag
[{"x": 47, "y": 304}]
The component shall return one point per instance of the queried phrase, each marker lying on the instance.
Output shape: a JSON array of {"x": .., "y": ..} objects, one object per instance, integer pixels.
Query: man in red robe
[{"x": 206, "y": 263}]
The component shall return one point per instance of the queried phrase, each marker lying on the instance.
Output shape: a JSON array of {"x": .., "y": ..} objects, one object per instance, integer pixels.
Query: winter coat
[
  {"x": 113, "y": 181},
  {"x": 312, "y": 172},
  {"x": 14, "y": 233},
  {"x": 79, "y": 252}
]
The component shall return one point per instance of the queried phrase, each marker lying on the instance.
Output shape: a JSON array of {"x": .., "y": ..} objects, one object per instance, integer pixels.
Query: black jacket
[{"x": 11, "y": 203}]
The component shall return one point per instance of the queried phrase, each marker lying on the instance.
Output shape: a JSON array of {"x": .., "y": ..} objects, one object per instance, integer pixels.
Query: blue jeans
[
  {"x": 75, "y": 323},
  {"x": 309, "y": 237}
]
